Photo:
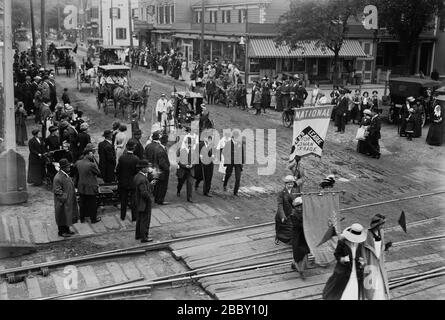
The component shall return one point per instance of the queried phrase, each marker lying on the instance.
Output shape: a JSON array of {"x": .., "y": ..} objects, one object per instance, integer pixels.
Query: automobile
[{"x": 403, "y": 87}]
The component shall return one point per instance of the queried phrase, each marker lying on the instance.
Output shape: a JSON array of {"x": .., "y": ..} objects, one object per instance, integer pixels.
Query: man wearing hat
[
  {"x": 36, "y": 162},
  {"x": 374, "y": 135},
  {"x": 161, "y": 108},
  {"x": 144, "y": 183},
  {"x": 375, "y": 277},
  {"x": 139, "y": 149},
  {"x": 107, "y": 158},
  {"x": 341, "y": 112},
  {"x": 65, "y": 202},
  {"x": 125, "y": 172},
  {"x": 87, "y": 184},
  {"x": 346, "y": 283},
  {"x": 52, "y": 143},
  {"x": 27, "y": 95}
]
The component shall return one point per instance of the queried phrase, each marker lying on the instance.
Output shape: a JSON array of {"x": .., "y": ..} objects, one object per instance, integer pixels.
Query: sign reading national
[{"x": 310, "y": 129}]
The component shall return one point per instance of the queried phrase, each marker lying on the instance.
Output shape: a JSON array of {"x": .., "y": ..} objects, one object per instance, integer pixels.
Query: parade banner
[
  {"x": 310, "y": 129},
  {"x": 320, "y": 213}
]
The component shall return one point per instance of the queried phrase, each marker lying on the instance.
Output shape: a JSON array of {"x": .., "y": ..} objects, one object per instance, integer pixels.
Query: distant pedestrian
[
  {"x": 65, "y": 97},
  {"x": 121, "y": 141},
  {"x": 65, "y": 202},
  {"x": 20, "y": 124},
  {"x": 374, "y": 135},
  {"x": 83, "y": 138},
  {"x": 234, "y": 158},
  {"x": 410, "y": 124},
  {"x": 186, "y": 160},
  {"x": 362, "y": 145},
  {"x": 107, "y": 158},
  {"x": 36, "y": 163},
  {"x": 204, "y": 170},
  {"x": 436, "y": 131},
  {"x": 144, "y": 182},
  {"x": 341, "y": 112}
]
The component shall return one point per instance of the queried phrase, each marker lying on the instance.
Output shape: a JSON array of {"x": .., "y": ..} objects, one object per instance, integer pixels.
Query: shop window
[
  {"x": 267, "y": 64},
  {"x": 293, "y": 65},
  {"x": 254, "y": 66}
]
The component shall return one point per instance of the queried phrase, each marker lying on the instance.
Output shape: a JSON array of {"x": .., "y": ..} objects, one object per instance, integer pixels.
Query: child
[{"x": 65, "y": 98}]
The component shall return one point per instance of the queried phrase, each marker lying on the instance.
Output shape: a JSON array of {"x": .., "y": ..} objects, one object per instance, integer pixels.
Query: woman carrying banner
[
  {"x": 346, "y": 283},
  {"x": 375, "y": 283},
  {"x": 283, "y": 223},
  {"x": 300, "y": 248}
]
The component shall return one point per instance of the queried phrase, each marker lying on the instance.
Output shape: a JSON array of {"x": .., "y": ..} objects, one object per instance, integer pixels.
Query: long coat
[
  {"x": 283, "y": 230},
  {"x": 336, "y": 284},
  {"x": 126, "y": 170},
  {"x": 107, "y": 161},
  {"x": 373, "y": 263},
  {"x": 86, "y": 178},
  {"x": 65, "y": 203},
  {"x": 143, "y": 190},
  {"x": 36, "y": 170}
]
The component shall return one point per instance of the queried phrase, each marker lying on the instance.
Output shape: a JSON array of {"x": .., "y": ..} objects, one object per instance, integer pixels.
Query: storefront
[{"x": 311, "y": 63}]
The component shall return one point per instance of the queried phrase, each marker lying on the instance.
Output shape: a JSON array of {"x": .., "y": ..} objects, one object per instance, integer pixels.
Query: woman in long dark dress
[
  {"x": 283, "y": 223},
  {"x": 300, "y": 248},
  {"x": 20, "y": 124},
  {"x": 366, "y": 121},
  {"x": 36, "y": 169},
  {"x": 417, "y": 120},
  {"x": 435, "y": 133}
]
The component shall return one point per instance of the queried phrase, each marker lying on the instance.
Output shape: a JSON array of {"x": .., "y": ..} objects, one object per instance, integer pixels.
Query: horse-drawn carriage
[
  {"x": 114, "y": 91},
  {"x": 62, "y": 59},
  {"x": 186, "y": 102},
  {"x": 94, "y": 45},
  {"x": 85, "y": 75},
  {"x": 111, "y": 55}
]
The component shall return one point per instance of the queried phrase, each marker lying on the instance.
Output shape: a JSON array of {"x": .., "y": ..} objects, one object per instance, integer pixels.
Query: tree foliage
[
  {"x": 322, "y": 21},
  {"x": 407, "y": 19}
]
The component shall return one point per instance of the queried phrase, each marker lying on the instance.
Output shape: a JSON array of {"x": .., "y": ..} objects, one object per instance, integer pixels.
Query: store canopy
[{"x": 266, "y": 48}]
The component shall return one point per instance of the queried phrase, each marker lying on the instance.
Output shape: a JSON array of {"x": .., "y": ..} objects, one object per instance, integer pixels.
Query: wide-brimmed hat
[
  {"x": 69, "y": 108},
  {"x": 411, "y": 99},
  {"x": 64, "y": 163},
  {"x": 377, "y": 220},
  {"x": 289, "y": 179},
  {"x": 355, "y": 233},
  {"x": 298, "y": 201},
  {"x": 84, "y": 126},
  {"x": 52, "y": 129},
  {"x": 368, "y": 112},
  {"x": 143, "y": 164}
]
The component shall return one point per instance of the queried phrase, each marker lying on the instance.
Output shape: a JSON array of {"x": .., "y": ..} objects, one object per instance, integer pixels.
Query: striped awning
[{"x": 266, "y": 48}]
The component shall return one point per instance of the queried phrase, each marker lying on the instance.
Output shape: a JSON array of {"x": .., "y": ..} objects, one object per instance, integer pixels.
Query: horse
[
  {"x": 121, "y": 96},
  {"x": 139, "y": 99}
]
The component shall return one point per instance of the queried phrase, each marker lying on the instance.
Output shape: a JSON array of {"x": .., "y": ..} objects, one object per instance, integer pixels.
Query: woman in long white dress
[
  {"x": 346, "y": 283},
  {"x": 121, "y": 141}
]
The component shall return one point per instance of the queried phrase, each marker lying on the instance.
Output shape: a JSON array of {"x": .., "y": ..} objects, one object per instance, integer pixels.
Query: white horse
[{"x": 92, "y": 74}]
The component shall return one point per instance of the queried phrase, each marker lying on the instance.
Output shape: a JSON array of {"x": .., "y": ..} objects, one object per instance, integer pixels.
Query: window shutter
[{"x": 118, "y": 13}]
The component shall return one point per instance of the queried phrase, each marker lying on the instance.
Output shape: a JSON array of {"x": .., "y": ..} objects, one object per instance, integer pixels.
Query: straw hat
[
  {"x": 355, "y": 233},
  {"x": 289, "y": 179},
  {"x": 368, "y": 112}
]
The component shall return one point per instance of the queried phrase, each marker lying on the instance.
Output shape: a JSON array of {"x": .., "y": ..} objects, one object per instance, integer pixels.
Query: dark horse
[
  {"x": 139, "y": 99},
  {"x": 121, "y": 97}
]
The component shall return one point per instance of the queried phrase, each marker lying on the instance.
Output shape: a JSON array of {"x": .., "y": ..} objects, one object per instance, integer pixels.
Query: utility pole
[
  {"x": 130, "y": 22},
  {"x": 202, "y": 31},
  {"x": 43, "y": 31},
  {"x": 246, "y": 72},
  {"x": 33, "y": 31}
]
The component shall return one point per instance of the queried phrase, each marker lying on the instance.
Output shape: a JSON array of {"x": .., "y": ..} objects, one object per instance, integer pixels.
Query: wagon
[
  {"x": 107, "y": 75},
  {"x": 404, "y": 87},
  {"x": 111, "y": 55},
  {"x": 62, "y": 55},
  {"x": 86, "y": 76}
]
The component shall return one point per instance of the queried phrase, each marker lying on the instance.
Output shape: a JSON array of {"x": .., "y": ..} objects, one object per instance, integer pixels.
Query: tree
[
  {"x": 322, "y": 21},
  {"x": 406, "y": 20}
]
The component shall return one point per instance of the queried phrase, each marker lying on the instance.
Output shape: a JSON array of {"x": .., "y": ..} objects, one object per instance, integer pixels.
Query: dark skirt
[
  {"x": 36, "y": 171},
  {"x": 299, "y": 245},
  {"x": 435, "y": 134},
  {"x": 283, "y": 230},
  {"x": 362, "y": 147},
  {"x": 21, "y": 133}
]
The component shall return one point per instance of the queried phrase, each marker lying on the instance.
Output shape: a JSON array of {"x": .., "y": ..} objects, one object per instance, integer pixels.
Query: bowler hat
[
  {"x": 143, "y": 164},
  {"x": 107, "y": 133},
  {"x": 377, "y": 220},
  {"x": 131, "y": 144},
  {"x": 35, "y": 132},
  {"x": 156, "y": 135},
  {"x": 84, "y": 126},
  {"x": 355, "y": 233},
  {"x": 52, "y": 129},
  {"x": 89, "y": 148},
  {"x": 64, "y": 163}
]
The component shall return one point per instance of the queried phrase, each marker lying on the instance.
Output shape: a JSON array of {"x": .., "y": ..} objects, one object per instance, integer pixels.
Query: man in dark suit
[
  {"x": 107, "y": 158},
  {"x": 150, "y": 149},
  {"x": 125, "y": 171},
  {"x": 204, "y": 170},
  {"x": 139, "y": 149},
  {"x": 234, "y": 159},
  {"x": 144, "y": 181},
  {"x": 162, "y": 164},
  {"x": 185, "y": 167},
  {"x": 341, "y": 112},
  {"x": 87, "y": 185},
  {"x": 374, "y": 135},
  {"x": 52, "y": 143}
]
